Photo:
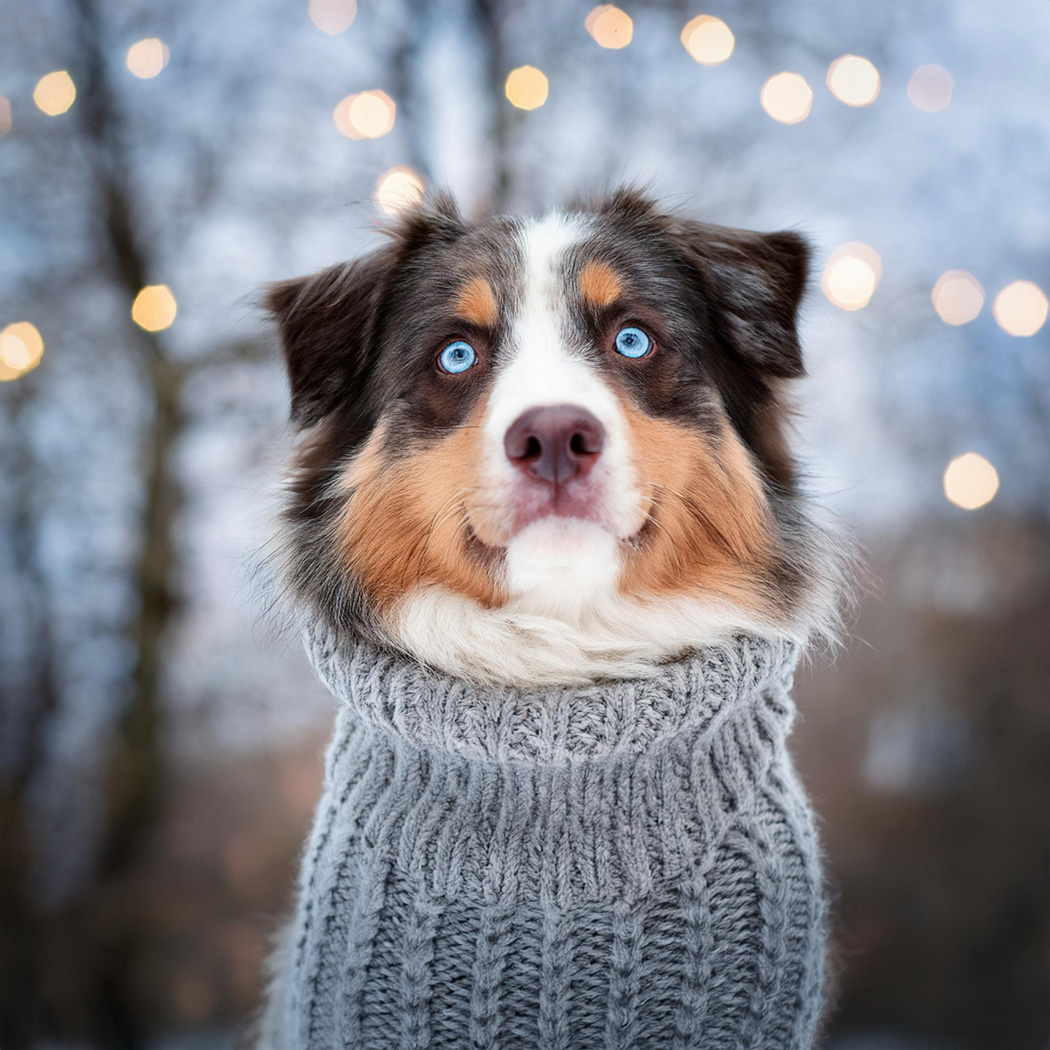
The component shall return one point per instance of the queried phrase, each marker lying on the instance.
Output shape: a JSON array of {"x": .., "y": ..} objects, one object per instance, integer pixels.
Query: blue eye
[
  {"x": 457, "y": 357},
  {"x": 633, "y": 342}
]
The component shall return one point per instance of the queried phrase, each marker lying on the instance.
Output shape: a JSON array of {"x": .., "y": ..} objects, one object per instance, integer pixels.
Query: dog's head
[{"x": 552, "y": 449}]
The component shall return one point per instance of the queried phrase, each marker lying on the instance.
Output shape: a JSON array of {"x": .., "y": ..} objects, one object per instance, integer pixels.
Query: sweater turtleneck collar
[{"x": 615, "y": 720}]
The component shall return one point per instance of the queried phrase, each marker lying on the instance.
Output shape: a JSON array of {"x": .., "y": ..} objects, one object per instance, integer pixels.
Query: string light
[
  {"x": 970, "y": 481},
  {"x": 610, "y": 27},
  {"x": 1021, "y": 308},
  {"x": 397, "y": 189},
  {"x": 333, "y": 16},
  {"x": 852, "y": 275},
  {"x": 154, "y": 308},
  {"x": 854, "y": 80},
  {"x": 787, "y": 98},
  {"x": 367, "y": 115},
  {"x": 930, "y": 88},
  {"x": 21, "y": 348},
  {"x": 526, "y": 87},
  {"x": 957, "y": 297},
  {"x": 708, "y": 40},
  {"x": 54, "y": 93},
  {"x": 146, "y": 58},
  {"x": 5, "y": 116}
]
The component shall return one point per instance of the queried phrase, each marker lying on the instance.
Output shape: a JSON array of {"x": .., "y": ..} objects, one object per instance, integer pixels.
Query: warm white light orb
[
  {"x": 787, "y": 98},
  {"x": 333, "y": 16},
  {"x": 154, "y": 308},
  {"x": 1021, "y": 308},
  {"x": 397, "y": 189},
  {"x": 148, "y": 57},
  {"x": 708, "y": 39},
  {"x": 367, "y": 115},
  {"x": 610, "y": 27},
  {"x": 54, "y": 93},
  {"x": 21, "y": 348},
  {"x": 970, "y": 481},
  {"x": 930, "y": 88},
  {"x": 957, "y": 297},
  {"x": 526, "y": 87},
  {"x": 854, "y": 80},
  {"x": 852, "y": 275}
]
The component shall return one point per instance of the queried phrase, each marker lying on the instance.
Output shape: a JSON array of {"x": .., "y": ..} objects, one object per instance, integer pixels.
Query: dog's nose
[{"x": 555, "y": 442}]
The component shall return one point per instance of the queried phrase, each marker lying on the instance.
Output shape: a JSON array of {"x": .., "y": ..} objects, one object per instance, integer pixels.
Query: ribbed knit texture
[{"x": 627, "y": 866}]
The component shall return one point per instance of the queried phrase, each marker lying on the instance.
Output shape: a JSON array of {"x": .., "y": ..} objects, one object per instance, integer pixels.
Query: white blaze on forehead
[{"x": 540, "y": 366}]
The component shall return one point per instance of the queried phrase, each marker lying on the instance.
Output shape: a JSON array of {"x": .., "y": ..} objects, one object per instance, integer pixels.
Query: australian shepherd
[{"x": 554, "y": 450}]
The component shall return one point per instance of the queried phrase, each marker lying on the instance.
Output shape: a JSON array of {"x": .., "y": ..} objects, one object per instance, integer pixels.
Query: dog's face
[{"x": 553, "y": 449}]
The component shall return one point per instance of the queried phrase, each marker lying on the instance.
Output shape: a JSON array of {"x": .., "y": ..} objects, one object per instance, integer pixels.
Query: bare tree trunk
[
  {"x": 35, "y": 703},
  {"x": 134, "y": 768},
  {"x": 404, "y": 81},
  {"x": 134, "y": 776},
  {"x": 490, "y": 15}
]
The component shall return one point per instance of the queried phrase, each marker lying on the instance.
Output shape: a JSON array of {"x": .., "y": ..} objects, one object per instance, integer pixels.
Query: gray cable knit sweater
[{"x": 631, "y": 865}]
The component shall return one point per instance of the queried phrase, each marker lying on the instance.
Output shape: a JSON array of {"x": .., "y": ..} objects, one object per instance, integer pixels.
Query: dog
[
  {"x": 553, "y": 451},
  {"x": 536, "y": 456}
]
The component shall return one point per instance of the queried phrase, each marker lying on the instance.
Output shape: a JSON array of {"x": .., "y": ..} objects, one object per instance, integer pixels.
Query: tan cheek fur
[
  {"x": 712, "y": 527},
  {"x": 404, "y": 524}
]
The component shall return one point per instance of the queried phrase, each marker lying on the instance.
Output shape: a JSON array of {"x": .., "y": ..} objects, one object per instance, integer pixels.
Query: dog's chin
[{"x": 562, "y": 563}]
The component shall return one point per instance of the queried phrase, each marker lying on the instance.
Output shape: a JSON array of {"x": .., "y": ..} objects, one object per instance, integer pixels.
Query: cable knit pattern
[{"x": 630, "y": 866}]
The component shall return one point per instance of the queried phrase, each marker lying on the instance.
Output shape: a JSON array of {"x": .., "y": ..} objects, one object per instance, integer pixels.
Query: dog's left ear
[
  {"x": 328, "y": 322},
  {"x": 327, "y": 327},
  {"x": 757, "y": 281}
]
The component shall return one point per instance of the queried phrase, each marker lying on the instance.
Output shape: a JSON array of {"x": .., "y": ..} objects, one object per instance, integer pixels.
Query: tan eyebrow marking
[
  {"x": 599, "y": 286},
  {"x": 477, "y": 303}
]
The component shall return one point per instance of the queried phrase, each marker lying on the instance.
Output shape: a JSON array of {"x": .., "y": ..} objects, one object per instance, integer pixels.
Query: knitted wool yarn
[{"x": 631, "y": 865}]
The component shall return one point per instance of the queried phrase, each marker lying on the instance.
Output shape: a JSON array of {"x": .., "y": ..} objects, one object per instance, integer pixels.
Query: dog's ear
[
  {"x": 329, "y": 322},
  {"x": 757, "y": 281},
  {"x": 328, "y": 326}
]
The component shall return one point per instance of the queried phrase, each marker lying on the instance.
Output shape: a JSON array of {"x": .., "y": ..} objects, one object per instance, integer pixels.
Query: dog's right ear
[{"x": 328, "y": 327}]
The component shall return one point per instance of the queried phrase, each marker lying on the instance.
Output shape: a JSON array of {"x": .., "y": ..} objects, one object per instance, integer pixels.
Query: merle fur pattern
[{"x": 360, "y": 341}]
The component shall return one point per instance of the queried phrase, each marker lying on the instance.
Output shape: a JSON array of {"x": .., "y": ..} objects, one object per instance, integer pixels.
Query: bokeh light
[
  {"x": 154, "y": 308},
  {"x": 787, "y": 98},
  {"x": 1021, "y": 308},
  {"x": 708, "y": 39},
  {"x": 526, "y": 87},
  {"x": 957, "y": 297},
  {"x": 54, "y": 93},
  {"x": 367, "y": 115},
  {"x": 148, "y": 57},
  {"x": 5, "y": 116},
  {"x": 333, "y": 16},
  {"x": 930, "y": 88},
  {"x": 610, "y": 26},
  {"x": 852, "y": 275},
  {"x": 854, "y": 80},
  {"x": 21, "y": 347},
  {"x": 970, "y": 481},
  {"x": 397, "y": 189}
]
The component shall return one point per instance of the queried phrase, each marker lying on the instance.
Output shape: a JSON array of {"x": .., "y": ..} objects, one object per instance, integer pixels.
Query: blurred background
[{"x": 161, "y": 747}]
